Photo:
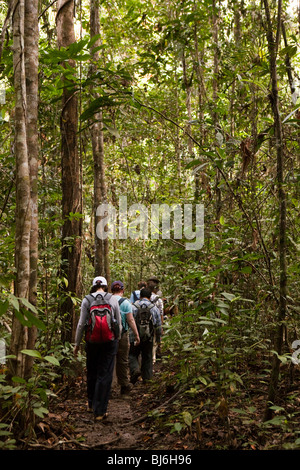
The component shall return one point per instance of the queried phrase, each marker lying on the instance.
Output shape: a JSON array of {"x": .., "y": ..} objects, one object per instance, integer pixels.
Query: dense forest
[{"x": 150, "y": 137}]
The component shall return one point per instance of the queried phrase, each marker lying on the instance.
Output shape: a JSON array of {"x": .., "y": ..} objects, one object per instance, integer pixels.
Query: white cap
[{"x": 100, "y": 280}]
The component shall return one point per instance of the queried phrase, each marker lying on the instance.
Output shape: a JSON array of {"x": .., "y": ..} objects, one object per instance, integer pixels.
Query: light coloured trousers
[{"x": 122, "y": 366}]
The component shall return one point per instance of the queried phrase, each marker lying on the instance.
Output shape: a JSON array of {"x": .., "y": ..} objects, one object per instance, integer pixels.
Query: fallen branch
[
  {"x": 163, "y": 405},
  {"x": 55, "y": 444}
]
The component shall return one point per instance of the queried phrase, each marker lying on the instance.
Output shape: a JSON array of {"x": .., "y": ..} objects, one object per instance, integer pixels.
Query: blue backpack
[{"x": 123, "y": 316}]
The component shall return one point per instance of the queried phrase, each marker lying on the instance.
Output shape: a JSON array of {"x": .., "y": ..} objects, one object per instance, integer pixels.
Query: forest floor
[
  {"x": 69, "y": 425},
  {"x": 145, "y": 421}
]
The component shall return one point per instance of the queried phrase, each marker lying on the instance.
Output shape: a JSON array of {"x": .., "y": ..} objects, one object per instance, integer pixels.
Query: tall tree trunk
[
  {"x": 31, "y": 41},
  {"x": 215, "y": 34},
  {"x": 71, "y": 187},
  {"x": 19, "y": 338},
  {"x": 200, "y": 179},
  {"x": 273, "y": 46},
  {"x": 188, "y": 89},
  {"x": 101, "y": 262},
  {"x": 288, "y": 62}
]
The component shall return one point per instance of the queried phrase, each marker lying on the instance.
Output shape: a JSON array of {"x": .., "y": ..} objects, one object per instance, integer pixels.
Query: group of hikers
[{"x": 120, "y": 334}]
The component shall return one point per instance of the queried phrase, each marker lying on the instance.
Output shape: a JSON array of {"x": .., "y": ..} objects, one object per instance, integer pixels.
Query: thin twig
[
  {"x": 47, "y": 8},
  {"x": 163, "y": 405}
]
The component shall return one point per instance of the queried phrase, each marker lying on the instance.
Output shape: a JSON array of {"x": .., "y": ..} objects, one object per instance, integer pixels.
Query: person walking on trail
[
  {"x": 100, "y": 319},
  {"x": 156, "y": 296},
  {"x": 154, "y": 281},
  {"x": 147, "y": 317},
  {"x": 122, "y": 364},
  {"x": 135, "y": 295},
  {"x": 153, "y": 285}
]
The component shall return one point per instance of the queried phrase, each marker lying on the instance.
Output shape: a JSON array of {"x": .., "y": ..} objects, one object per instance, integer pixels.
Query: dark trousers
[
  {"x": 144, "y": 349},
  {"x": 100, "y": 361}
]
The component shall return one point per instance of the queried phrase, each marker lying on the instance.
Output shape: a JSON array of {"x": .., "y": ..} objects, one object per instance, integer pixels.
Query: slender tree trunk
[
  {"x": 200, "y": 180},
  {"x": 273, "y": 45},
  {"x": 101, "y": 263},
  {"x": 19, "y": 338},
  {"x": 31, "y": 68},
  {"x": 188, "y": 89},
  {"x": 215, "y": 34},
  {"x": 177, "y": 136},
  {"x": 288, "y": 62},
  {"x": 71, "y": 187}
]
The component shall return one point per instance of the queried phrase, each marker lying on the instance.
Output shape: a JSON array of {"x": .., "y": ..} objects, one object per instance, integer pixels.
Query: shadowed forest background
[{"x": 167, "y": 102}]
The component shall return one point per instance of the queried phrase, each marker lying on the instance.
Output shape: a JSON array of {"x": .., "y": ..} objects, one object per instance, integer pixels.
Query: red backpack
[{"x": 101, "y": 325}]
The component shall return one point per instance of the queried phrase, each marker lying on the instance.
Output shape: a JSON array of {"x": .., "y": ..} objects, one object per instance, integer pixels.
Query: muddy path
[
  {"x": 144, "y": 423},
  {"x": 129, "y": 425}
]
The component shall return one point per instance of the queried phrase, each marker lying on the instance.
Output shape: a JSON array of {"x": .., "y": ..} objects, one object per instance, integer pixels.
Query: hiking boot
[
  {"x": 101, "y": 417},
  {"x": 134, "y": 377},
  {"x": 125, "y": 389},
  {"x": 89, "y": 408}
]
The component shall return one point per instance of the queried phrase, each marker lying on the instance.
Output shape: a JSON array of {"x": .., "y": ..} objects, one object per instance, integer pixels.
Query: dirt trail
[
  {"x": 118, "y": 430},
  {"x": 70, "y": 426}
]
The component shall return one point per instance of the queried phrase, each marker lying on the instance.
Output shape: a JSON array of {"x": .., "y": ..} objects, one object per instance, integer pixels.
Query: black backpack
[{"x": 144, "y": 321}]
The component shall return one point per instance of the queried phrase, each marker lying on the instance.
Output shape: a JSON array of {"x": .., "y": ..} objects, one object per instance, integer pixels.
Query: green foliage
[
  {"x": 24, "y": 402},
  {"x": 6, "y": 438},
  {"x": 156, "y": 86},
  {"x": 182, "y": 421}
]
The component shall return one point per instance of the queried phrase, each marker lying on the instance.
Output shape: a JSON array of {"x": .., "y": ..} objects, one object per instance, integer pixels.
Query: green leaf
[
  {"x": 283, "y": 359},
  {"x": 204, "y": 322},
  {"x": 32, "y": 353},
  {"x": 76, "y": 47},
  {"x": 177, "y": 427},
  {"x": 19, "y": 380},
  {"x": 21, "y": 318},
  {"x": 203, "y": 380},
  {"x": 194, "y": 163},
  {"x": 246, "y": 270},
  {"x": 96, "y": 105},
  {"x": 28, "y": 305},
  {"x": 228, "y": 296},
  {"x": 187, "y": 418},
  {"x": 34, "y": 320},
  {"x": 289, "y": 50},
  {"x": 10, "y": 356},
  {"x": 93, "y": 40},
  {"x": 238, "y": 410},
  {"x": 52, "y": 360},
  {"x": 41, "y": 412},
  {"x": 278, "y": 420},
  {"x": 75, "y": 216},
  {"x": 112, "y": 131},
  {"x": 277, "y": 408},
  {"x": 14, "y": 301},
  {"x": 5, "y": 433},
  {"x": 3, "y": 307}
]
